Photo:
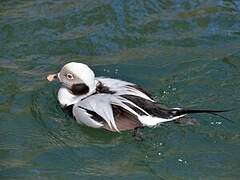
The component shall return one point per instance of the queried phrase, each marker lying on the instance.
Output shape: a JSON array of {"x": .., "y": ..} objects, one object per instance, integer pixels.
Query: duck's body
[
  {"x": 108, "y": 103},
  {"x": 115, "y": 105}
]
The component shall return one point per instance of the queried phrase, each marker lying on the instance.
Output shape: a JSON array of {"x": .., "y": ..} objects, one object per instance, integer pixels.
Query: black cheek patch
[{"x": 80, "y": 89}]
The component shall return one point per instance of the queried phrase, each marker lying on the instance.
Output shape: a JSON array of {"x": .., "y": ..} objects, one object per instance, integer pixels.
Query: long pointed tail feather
[{"x": 178, "y": 112}]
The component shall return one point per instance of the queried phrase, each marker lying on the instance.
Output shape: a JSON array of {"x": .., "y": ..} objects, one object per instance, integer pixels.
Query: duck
[{"x": 112, "y": 104}]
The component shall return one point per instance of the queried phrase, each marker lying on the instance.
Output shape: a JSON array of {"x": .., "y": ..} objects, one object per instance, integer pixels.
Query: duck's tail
[
  {"x": 179, "y": 112},
  {"x": 178, "y": 115}
]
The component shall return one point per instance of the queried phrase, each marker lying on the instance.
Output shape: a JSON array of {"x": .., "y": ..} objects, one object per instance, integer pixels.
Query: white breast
[{"x": 66, "y": 98}]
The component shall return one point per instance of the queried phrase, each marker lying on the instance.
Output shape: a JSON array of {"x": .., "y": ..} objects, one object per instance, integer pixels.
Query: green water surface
[{"x": 186, "y": 52}]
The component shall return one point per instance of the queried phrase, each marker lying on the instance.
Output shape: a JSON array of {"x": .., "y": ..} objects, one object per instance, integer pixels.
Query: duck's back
[{"x": 120, "y": 87}]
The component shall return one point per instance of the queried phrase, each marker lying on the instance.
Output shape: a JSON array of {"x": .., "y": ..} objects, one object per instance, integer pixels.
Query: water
[{"x": 185, "y": 52}]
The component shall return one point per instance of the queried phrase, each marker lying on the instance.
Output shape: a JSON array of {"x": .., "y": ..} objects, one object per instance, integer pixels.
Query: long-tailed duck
[{"x": 111, "y": 104}]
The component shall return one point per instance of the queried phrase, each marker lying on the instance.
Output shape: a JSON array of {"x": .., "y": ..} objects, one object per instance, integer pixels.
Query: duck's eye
[{"x": 69, "y": 76}]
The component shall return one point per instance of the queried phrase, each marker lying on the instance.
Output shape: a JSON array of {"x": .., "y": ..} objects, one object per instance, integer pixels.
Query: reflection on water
[{"x": 185, "y": 52}]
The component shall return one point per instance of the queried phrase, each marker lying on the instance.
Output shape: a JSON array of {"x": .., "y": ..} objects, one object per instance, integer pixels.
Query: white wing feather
[
  {"x": 83, "y": 117},
  {"x": 102, "y": 105}
]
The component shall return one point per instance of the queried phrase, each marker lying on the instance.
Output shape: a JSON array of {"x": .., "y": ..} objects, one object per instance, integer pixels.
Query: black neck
[{"x": 79, "y": 89}]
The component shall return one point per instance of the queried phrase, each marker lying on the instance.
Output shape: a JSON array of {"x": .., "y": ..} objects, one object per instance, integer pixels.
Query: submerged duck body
[{"x": 112, "y": 104}]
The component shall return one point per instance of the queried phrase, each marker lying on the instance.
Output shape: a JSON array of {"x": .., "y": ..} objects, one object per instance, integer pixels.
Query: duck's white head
[{"x": 77, "y": 78}]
